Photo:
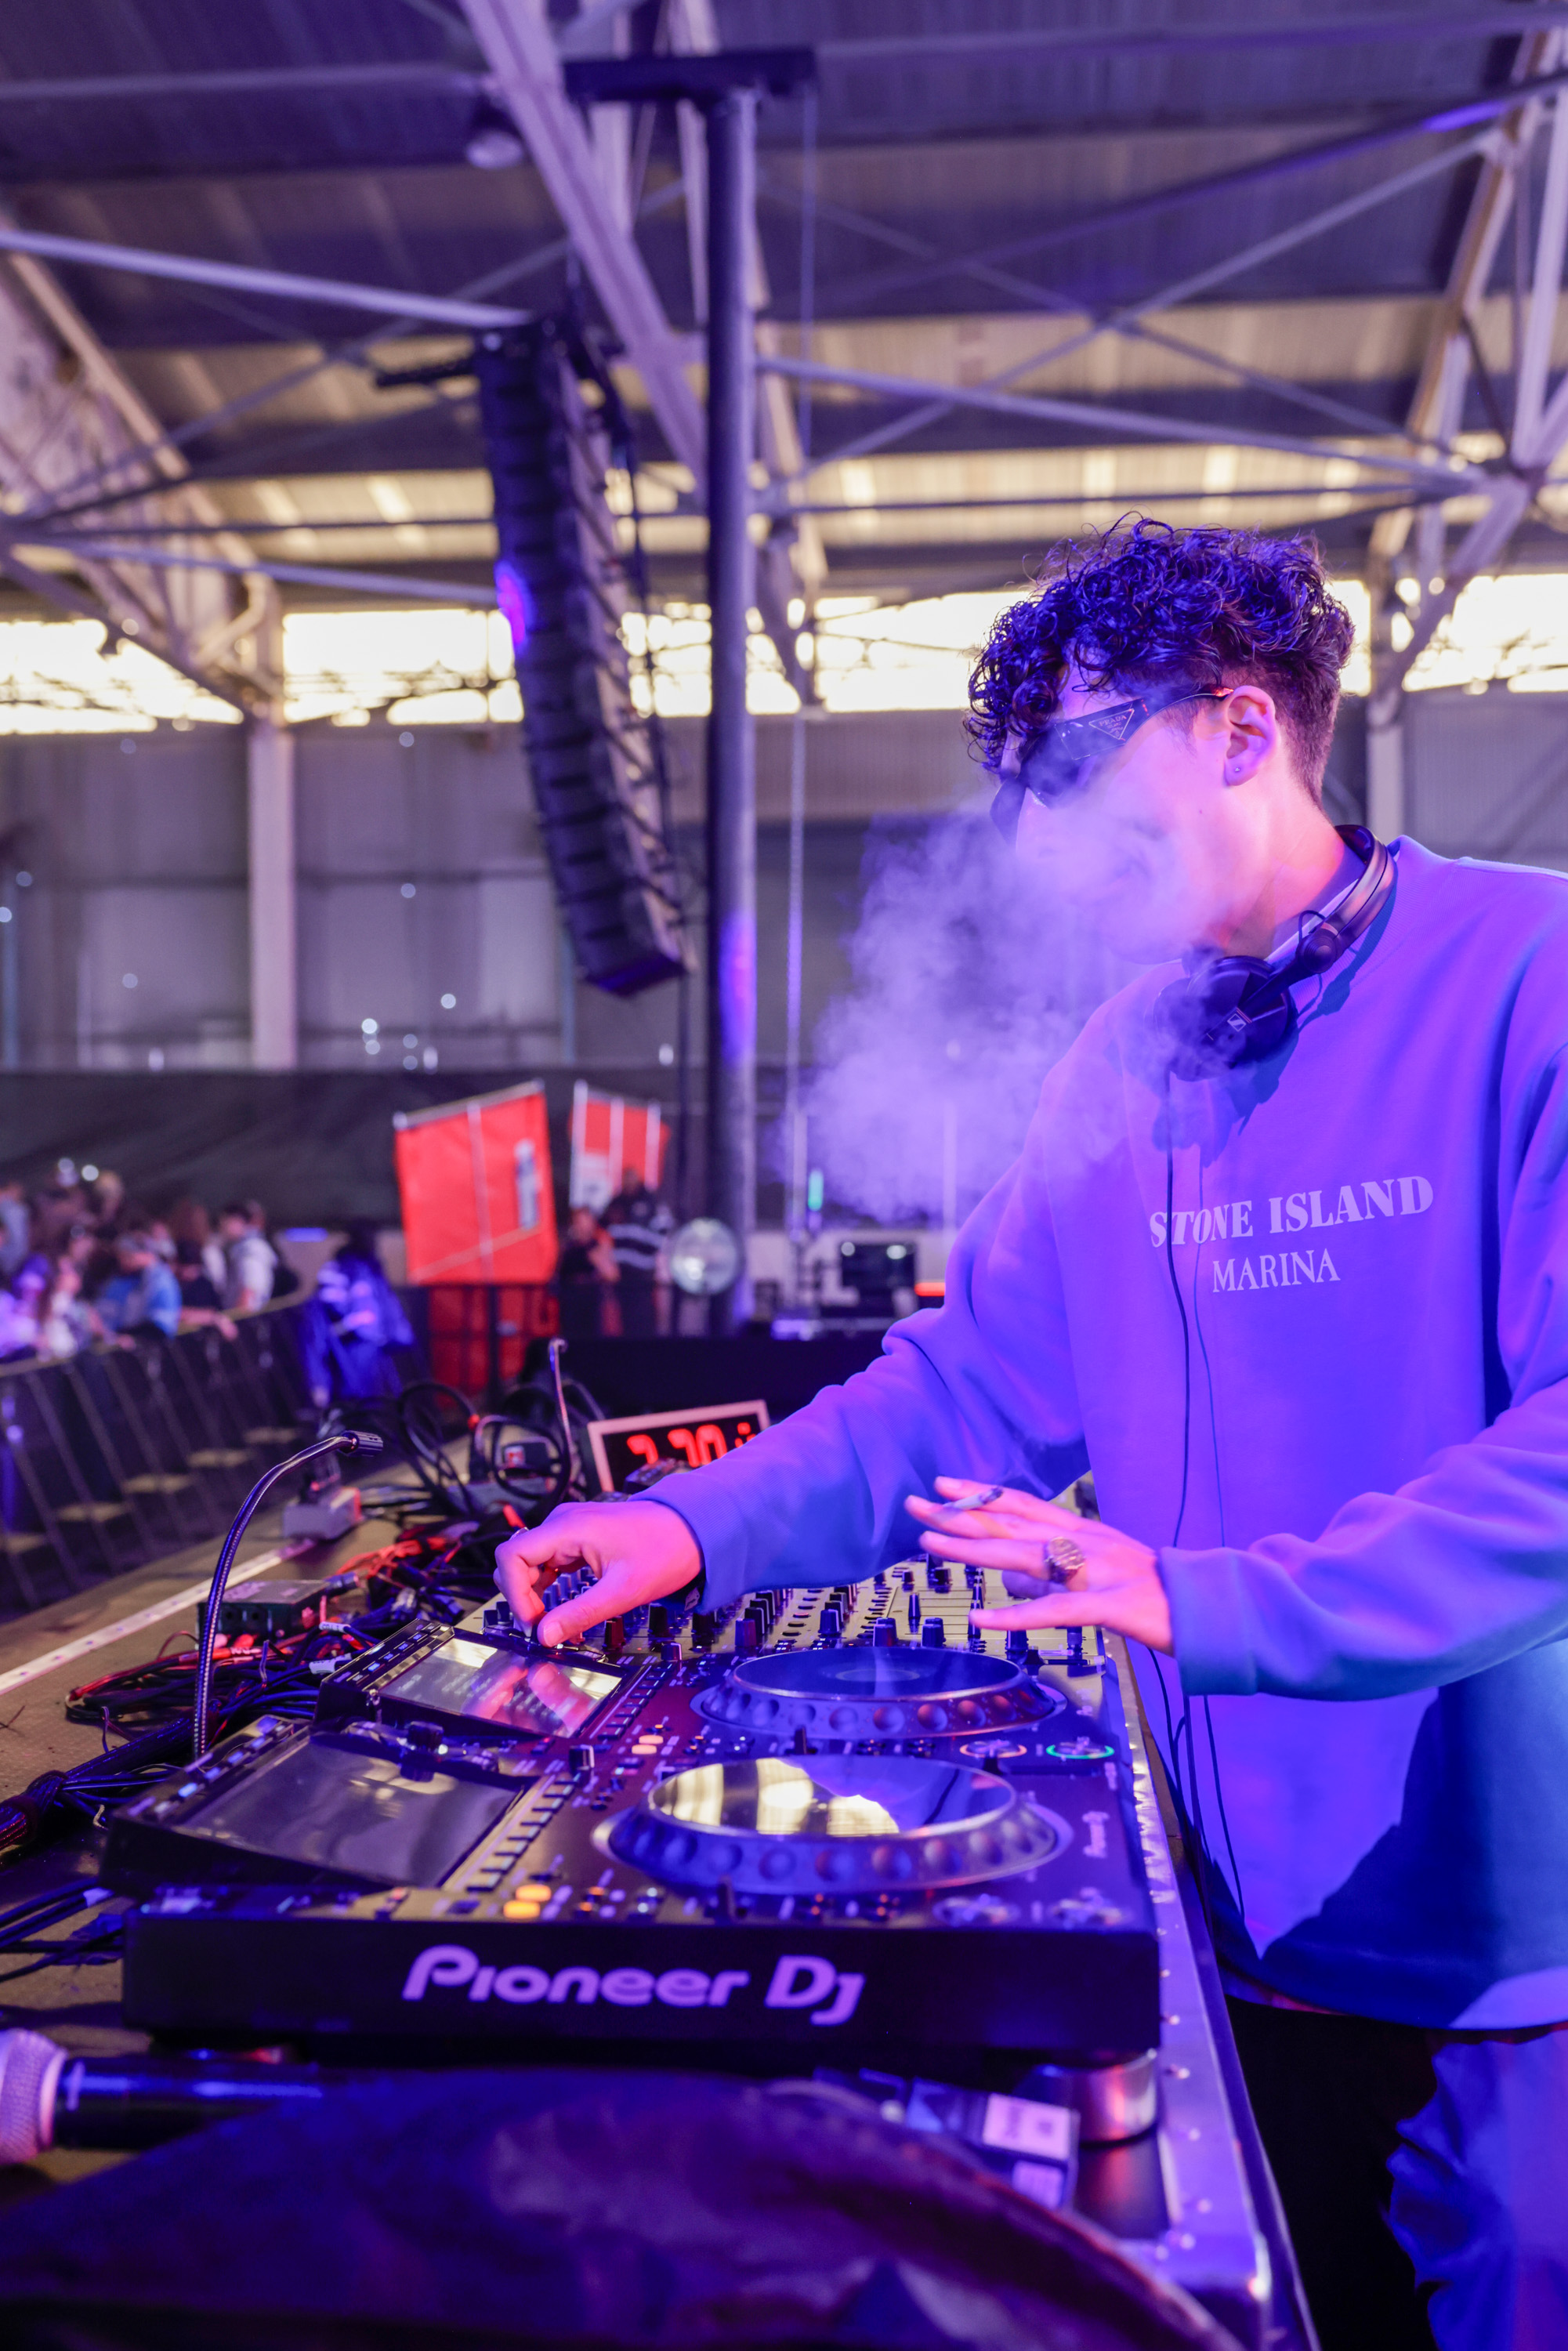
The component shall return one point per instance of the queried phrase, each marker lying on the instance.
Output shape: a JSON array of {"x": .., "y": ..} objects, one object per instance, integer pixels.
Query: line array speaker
[{"x": 560, "y": 583}]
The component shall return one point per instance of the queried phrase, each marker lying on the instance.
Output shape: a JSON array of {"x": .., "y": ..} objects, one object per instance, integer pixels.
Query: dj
[{"x": 1286, "y": 1259}]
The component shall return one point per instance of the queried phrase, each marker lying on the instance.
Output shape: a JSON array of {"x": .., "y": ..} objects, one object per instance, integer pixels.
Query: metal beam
[
  {"x": 252, "y": 526},
  {"x": 427, "y": 75},
  {"x": 1467, "y": 115},
  {"x": 1308, "y": 33},
  {"x": 420, "y": 75},
  {"x": 274, "y": 958},
  {"x": 731, "y": 739},
  {"x": 308, "y": 575},
  {"x": 1303, "y": 491},
  {"x": 515, "y": 36},
  {"x": 1540, "y": 332},
  {"x": 1126, "y": 319},
  {"x": 352, "y": 354},
  {"x": 1135, "y": 330},
  {"x": 691, "y": 65},
  {"x": 1438, "y": 405},
  {"x": 783, "y": 565},
  {"x": 1483, "y": 544},
  {"x": 1446, "y": 367},
  {"x": 340, "y": 294},
  {"x": 1140, "y": 423},
  {"x": 51, "y": 421}
]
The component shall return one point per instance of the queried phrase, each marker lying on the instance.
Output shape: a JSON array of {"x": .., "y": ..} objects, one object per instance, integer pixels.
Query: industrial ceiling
[{"x": 1023, "y": 264}]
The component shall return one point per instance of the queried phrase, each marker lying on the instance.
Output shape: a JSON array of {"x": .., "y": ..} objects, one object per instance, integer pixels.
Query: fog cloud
[{"x": 970, "y": 982}]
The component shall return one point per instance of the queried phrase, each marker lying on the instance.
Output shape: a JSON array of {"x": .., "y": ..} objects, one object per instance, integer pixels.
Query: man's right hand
[{"x": 637, "y": 1551}]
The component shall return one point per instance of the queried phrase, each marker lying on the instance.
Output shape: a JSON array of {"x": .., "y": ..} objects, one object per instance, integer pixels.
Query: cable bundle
[
  {"x": 23, "y": 1929},
  {"x": 107, "y": 1779},
  {"x": 442, "y": 1563}
]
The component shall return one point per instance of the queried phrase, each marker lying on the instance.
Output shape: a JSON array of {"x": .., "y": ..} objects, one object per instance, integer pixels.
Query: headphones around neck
[{"x": 1237, "y": 1008}]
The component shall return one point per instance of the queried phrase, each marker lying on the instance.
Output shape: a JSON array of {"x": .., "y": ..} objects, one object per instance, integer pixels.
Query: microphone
[
  {"x": 342, "y": 1440},
  {"x": 51, "y": 2097}
]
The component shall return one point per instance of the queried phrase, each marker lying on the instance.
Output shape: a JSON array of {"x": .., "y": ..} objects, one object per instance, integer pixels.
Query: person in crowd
[
  {"x": 142, "y": 1294},
  {"x": 53, "y": 1268},
  {"x": 286, "y": 1280},
  {"x": 638, "y": 1224},
  {"x": 107, "y": 1212},
  {"x": 58, "y": 1209},
  {"x": 22, "y": 1306},
  {"x": 196, "y": 1244},
  {"x": 201, "y": 1299},
  {"x": 53, "y": 1239},
  {"x": 67, "y": 1322},
  {"x": 105, "y": 1203},
  {"x": 586, "y": 1276},
  {"x": 16, "y": 1228},
  {"x": 355, "y": 1321},
  {"x": 251, "y": 1261}
]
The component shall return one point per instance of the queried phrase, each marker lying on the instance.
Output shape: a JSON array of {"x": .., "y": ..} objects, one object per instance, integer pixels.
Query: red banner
[
  {"x": 610, "y": 1138},
  {"x": 478, "y": 1195}
]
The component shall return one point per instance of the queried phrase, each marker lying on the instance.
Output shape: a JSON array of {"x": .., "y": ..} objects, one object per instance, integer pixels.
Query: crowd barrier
[{"x": 122, "y": 1454}]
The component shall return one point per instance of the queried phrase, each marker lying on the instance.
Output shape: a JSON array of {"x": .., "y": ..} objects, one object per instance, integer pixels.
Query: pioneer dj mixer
[
  {"x": 832, "y": 1831},
  {"x": 792, "y": 1824}
]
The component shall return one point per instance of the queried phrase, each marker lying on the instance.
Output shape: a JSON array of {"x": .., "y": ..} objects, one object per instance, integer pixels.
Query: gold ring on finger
[{"x": 1063, "y": 1559}]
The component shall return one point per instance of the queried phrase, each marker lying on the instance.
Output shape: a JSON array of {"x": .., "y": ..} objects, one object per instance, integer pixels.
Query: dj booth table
[{"x": 268, "y": 1936}]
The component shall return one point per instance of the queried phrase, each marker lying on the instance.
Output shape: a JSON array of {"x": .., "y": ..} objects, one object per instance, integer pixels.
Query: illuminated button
[
  {"x": 525, "y": 1911},
  {"x": 533, "y": 1889}
]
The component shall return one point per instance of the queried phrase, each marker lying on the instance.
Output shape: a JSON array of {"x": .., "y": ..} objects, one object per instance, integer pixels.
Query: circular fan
[{"x": 704, "y": 1258}]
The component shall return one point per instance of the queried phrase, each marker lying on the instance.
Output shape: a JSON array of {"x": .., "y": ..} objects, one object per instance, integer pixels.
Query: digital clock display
[{"x": 703, "y": 1433}]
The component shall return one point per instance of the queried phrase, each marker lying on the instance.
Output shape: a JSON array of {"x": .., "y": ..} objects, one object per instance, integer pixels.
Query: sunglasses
[{"x": 1052, "y": 762}]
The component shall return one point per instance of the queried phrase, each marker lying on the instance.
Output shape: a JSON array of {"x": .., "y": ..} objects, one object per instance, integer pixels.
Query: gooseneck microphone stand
[{"x": 343, "y": 1440}]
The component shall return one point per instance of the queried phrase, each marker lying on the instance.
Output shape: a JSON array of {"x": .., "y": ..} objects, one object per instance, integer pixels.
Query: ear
[{"x": 1251, "y": 732}]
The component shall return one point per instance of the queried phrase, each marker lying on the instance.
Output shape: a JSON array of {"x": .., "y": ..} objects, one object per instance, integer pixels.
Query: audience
[
  {"x": 252, "y": 1260},
  {"x": 14, "y": 1227},
  {"x": 196, "y": 1243},
  {"x": 638, "y": 1224},
  {"x": 586, "y": 1275},
  {"x": 21, "y": 1306},
  {"x": 144, "y": 1294},
  {"x": 84, "y": 1264},
  {"x": 67, "y": 1322},
  {"x": 201, "y": 1299},
  {"x": 106, "y": 1202},
  {"x": 354, "y": 1323}
]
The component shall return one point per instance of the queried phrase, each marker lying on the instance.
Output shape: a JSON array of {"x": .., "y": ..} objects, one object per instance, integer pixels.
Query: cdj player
[
  {"x": 836, "y": 1831},
  {"x": 793, "y": 1825}
]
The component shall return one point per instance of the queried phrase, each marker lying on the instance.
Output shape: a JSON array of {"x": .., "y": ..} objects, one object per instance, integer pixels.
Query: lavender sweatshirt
[{"x": 1369, "y": 1588}]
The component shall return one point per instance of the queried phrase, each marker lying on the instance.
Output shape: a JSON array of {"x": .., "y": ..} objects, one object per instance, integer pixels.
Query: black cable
[
  {"x": 44, "y": 1909},
  {"x": 1220, "y": 1501},
  {"x": 1224, "y": 1820},
  {"x": 1173, "y": 1746},
  {"x": 1200, "y": 1847},
  {"x": 1198, "y": 1841},
  {"x": 1181, "y": 1310}
]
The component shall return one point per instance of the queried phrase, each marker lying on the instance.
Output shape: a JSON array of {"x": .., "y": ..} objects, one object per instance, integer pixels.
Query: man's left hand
[{"x": 1085, "y": 1572}]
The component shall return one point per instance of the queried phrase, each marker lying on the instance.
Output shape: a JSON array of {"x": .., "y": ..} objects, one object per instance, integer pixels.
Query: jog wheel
[
  {"x": 842, "y": 1824},
  {"x": 889, "y": 1693}
]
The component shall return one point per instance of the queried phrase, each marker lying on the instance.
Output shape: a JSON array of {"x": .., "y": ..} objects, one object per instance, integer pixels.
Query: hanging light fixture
[{"x": 493, "y": 142}]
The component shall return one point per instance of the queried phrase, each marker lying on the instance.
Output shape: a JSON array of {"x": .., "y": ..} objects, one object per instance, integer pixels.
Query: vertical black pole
[{"x": 731, "y": 743}]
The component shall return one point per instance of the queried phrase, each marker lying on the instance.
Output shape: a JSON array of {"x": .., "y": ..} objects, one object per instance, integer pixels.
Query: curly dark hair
[{"x": 1146, "y": 605}]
